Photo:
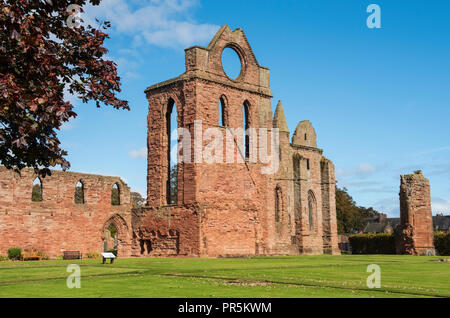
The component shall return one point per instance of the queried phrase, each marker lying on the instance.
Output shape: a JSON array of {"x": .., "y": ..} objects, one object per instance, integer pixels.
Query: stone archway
[{"x": 123, "y": 234}]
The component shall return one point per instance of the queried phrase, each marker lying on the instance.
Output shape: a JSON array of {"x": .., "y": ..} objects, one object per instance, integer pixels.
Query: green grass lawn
[{"x": 299, "y": 276}]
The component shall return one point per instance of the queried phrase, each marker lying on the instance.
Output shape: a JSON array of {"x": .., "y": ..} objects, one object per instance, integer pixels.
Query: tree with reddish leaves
[{"x": 41, "y": 57}]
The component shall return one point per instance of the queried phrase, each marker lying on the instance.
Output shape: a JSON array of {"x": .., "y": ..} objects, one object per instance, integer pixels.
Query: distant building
[
  {"x": 384, "y": 227},
  {"x": 441, "y": 223},
  {"x": 383, "y": 224}
]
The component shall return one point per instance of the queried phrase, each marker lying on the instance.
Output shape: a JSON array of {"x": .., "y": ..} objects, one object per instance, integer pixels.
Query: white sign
[{"x": 108, "y": 255}]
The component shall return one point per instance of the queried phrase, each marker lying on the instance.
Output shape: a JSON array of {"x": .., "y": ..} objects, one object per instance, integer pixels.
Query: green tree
[
  {"x": 137, "y": 200},
  {"x": 350, "y": 217},
  {"x": 115, "y": 195},
  {"x": 112, "y": 230},
  {"x": 41, "y": 56}
]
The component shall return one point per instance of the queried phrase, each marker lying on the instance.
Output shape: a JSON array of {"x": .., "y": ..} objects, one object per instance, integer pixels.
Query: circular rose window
[{"x": 231, "y": 63}]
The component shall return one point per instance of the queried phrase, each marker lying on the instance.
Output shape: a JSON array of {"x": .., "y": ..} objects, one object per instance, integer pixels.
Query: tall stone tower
[
  {"x": 415, "y": 233},
  {"x": 231, "y": 196},
  {"x": 225, "y": 204}
]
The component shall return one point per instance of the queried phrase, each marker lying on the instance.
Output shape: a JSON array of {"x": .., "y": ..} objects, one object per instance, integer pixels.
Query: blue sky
[{"x": 379, "y": 99}]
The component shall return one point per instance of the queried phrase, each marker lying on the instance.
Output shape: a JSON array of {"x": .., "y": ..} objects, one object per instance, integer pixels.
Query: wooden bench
[
  {"x": 72, "y": 255},
  {"x": 30, "y": 256}
]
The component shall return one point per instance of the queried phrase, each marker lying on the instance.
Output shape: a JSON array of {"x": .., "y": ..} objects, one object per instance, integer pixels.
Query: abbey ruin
[
  {"x": 228, "y": 209},
  {"x": 415, "y": 231},
  {"x": 219, "y": 209}
]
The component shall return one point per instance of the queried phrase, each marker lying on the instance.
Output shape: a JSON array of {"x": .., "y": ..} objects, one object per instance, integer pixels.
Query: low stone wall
[
  {"x": 57, "y": 224},
  {"x": 165, "y": 231}
]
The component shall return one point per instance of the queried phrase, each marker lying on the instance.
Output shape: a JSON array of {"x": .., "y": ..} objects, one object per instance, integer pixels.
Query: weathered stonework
[
  {"x": 57, "y": 223},
  {"x": 415, "y": 232},
  {"x": 232, "y": 209},
  {"x": 222, "y": 209},
  {"x": 169, "y": 231}
]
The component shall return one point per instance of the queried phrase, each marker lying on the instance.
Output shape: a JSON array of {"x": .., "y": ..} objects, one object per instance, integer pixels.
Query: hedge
[
  {"x": 372, "y": 243},
  {"x": 384, "y": 243},
  {"x": 442, "y": 243}
]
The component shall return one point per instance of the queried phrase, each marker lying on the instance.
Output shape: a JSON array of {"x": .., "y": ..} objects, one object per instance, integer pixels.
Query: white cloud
[
  {"x": 389, "y": 206},
  {"x": 380, "y": 189},
  {"x": 441, "y": 169},
  {"x": 72, "y": 123},
  {"x": 439, "y": 205},
  {"x": 163, "y": 23},
  {"x": 66, "y": 126},
  {"x": 128, "y": 67},
  {"x": 141, "y": 191},
  {"x": 68, "y": 97},
  {"x": 140, "y": 153},
  {"x": 366, "y": 168},
  {"x": 363, "y": 170},
  {"x": 358, "y": 184},
  {"x": 430, "y": 151}
]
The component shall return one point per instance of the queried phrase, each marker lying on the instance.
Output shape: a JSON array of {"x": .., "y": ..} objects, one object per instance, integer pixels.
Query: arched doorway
[
  {"x": 116, "y": 236},
  {"x": 110, "y": 241}
]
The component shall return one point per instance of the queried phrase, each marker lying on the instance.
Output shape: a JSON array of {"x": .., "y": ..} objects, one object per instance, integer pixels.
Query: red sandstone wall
[
  {"x": 166, "y": 231},
  {"x": 235, "y": 201},
  {"x": 233, "y": 195},
  {"x": 310, "y": 241},
  {"x": 231, "y": 198},
  {"x": 57, "y": 223},
  {"x": 283, "y": 232},
  {"x": 223, "y": 209}
]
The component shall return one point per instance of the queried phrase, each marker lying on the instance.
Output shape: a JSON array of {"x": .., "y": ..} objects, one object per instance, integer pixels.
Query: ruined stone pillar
[
  {"x": 415, "y": 232},
  {"x": 330, "y": 237}
]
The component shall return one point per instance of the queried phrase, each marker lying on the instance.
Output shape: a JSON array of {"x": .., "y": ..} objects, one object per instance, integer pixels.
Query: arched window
[
  {"x": 296, "y": 182},
  {"x": 296, "y": 167},
  {"x": 223, "y": 118},
  {"x": 172, "y": 161},
  {"x": 278, "y": 205},
  {"x": 79, "y": 193},
  {"x": 115, "y": 194},
  {"x": 36, "y": 192},
  {"x": 231, "y": 62},
  {"x": 246, "y": 125},
  {"x": 311, "y": 210}
]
